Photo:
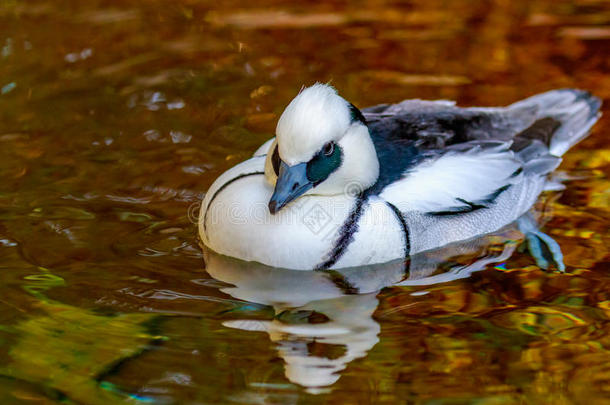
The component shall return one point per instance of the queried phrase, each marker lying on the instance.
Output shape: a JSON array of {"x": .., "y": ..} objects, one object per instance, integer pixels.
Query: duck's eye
[{"x": 324, "y": 163}]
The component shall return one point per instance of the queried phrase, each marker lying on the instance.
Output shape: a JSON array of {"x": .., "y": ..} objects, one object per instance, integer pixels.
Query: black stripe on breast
[
  {"x": 241, "y": 176},
  {"x": 406, "y": 236},
  {"x": 346, "y": 235},
  {"x": 403, "y": 225}
]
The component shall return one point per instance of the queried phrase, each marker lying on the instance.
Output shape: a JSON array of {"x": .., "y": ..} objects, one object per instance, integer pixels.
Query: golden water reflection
[{"x": 116, "y": 116}]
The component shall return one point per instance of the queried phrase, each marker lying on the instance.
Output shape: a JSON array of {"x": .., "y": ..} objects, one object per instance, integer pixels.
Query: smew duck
[{"x": 341, "y": 187}]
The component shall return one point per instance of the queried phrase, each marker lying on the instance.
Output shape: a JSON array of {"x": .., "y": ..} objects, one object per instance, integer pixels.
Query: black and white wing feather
[
  {"x": 457, "y": 181},
  {"x": 440, "y": 159}
]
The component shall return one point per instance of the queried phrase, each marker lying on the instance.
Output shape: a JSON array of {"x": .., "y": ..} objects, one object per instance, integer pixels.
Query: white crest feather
[{"x": 315, "y": 116}]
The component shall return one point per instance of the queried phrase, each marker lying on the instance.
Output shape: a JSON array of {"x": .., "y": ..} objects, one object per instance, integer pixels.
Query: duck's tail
[{"x": 571, "y": 112}]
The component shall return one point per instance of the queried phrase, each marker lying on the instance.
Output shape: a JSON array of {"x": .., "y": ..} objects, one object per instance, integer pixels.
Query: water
[{"x": 116, "y": 116}]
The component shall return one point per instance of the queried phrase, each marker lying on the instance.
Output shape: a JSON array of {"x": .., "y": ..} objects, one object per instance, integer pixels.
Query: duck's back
[{"x": 546, "y": 124}]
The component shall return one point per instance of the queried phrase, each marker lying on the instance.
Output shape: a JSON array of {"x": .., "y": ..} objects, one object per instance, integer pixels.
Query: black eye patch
[
  {"x": 275, "y": 161},
  {"x": 326, "y": 161}
]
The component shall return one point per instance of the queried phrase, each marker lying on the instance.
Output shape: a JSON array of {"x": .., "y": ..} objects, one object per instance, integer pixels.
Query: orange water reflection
[{"x": 116, "y": 116}]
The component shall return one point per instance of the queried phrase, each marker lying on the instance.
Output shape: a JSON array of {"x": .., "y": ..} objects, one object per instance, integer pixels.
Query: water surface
[{"x": 115, "y": 118}]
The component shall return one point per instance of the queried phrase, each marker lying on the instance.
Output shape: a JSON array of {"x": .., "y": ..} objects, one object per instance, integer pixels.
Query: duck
[{"x": 339, "y": 187}]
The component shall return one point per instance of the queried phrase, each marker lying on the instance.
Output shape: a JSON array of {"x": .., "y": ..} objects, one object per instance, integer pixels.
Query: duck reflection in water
[{"x": 324, "y": 319}]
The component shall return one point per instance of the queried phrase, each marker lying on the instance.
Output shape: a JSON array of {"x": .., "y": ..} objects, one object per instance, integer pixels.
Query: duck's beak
[{"x": 291, "y": 183}]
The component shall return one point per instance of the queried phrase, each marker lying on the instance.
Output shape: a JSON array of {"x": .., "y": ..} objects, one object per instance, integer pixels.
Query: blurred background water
[{"x": 116, "y": 116}]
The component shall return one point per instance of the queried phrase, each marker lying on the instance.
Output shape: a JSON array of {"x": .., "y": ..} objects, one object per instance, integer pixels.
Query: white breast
[
  {"x": 235, "y": 221},
  {"x": 378, "y": 239}
]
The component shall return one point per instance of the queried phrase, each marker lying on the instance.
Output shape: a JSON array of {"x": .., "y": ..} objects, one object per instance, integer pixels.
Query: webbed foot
[{"x": 543, "y": 248}]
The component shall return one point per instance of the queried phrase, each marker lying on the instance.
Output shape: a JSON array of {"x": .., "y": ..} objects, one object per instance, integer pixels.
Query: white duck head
[{"x": 322, "y": 147}]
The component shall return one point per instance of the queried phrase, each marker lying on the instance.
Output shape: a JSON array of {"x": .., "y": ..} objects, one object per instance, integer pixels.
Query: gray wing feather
[
  {"x": 547, "y": 123},
  {"x": 523, "y": 140}
]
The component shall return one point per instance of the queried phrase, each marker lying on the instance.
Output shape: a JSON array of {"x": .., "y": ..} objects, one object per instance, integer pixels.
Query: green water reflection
[{"x": 116, "y": 116}]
